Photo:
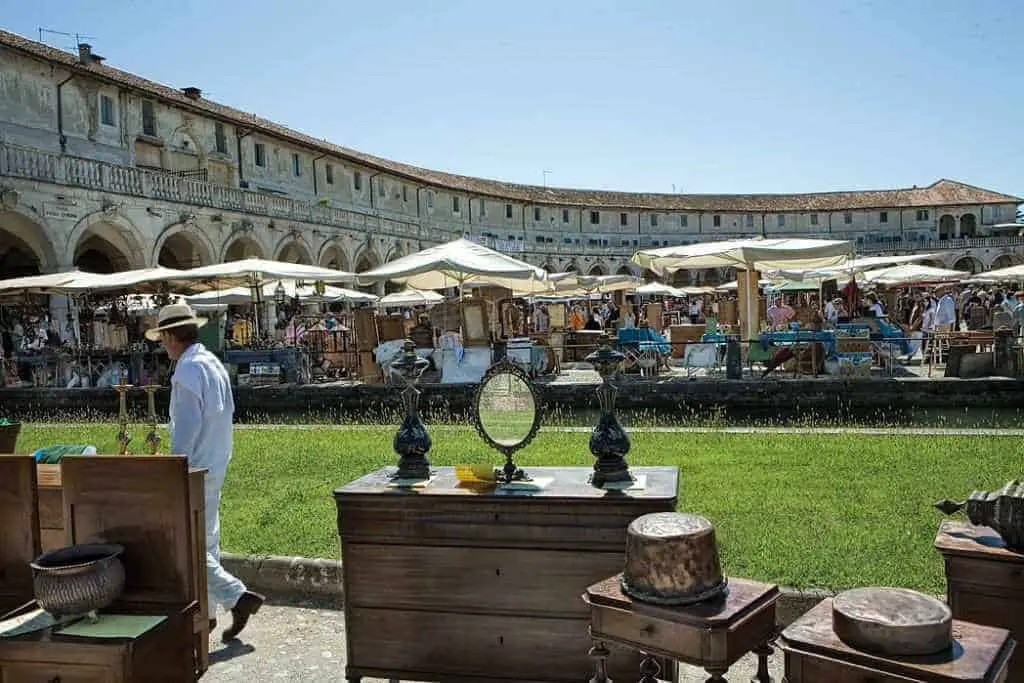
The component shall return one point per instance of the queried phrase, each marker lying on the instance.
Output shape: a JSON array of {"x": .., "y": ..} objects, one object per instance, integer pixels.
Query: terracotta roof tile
[{"x": 941, "y": 193}]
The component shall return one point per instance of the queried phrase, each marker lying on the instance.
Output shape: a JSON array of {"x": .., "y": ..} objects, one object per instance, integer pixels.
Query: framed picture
[
  {"x": 556, "y": 316},
  {"x": 474, "y": 323}
]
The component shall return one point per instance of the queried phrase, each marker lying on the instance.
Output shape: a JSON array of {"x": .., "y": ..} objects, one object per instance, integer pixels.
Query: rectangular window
[
  {"x": 997, "y": 212},
  {"x": 381, "y": 188},
  {"x": 455, "y": 204},
  {"x": 748, "y": 220},
  {"x": 219, "y": 139},
  {"x": 814, "y": 219},
  {"x": 260, "y": 152},
  {"x": 922, "y": 214},
  {"x": 847, "y": 218},
  {"x": 405, "y": 193},
  {"x": 536, "y": 213},
  {"x": 623, "y": 219},
  {"x": 567, "y": 240},
  {"x": 540, "y": 239},
  {"x": 148, "y": 118},
  {"x": 508, "y": 211},
  {"x": 106, "y": 110},
  {"x": 883, "y": 216},
  {"x": 625, "y": 243},
  {"x": 595, "y": 217},
  {"x": 683, "y": 221},
  {"x": 565, "y": 215},
  {"x": 296, "y": 165},
  {"x": 716, "y": 221},
  {"x": 329, "y": 174},
  {"x": 592, "y": 243},
  {"x": 430, "y": 199},
  {"x": 483, "y": 208},
  {"x": 654, "y": 220},
  {"x": 357, "y": 181},
  {"x": 782, "y": 220}
]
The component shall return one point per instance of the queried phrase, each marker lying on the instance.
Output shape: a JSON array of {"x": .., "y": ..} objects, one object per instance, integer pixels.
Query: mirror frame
[{"x": 502, "y": 367}]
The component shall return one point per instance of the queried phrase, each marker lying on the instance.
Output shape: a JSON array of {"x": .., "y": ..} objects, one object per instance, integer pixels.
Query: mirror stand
[{"x": 507, "y": 414}]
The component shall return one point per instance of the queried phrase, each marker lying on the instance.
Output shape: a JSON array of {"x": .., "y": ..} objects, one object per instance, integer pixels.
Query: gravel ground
[{"x": 307, "y": 643}]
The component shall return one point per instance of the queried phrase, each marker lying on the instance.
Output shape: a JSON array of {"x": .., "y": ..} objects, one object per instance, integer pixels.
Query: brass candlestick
[
  {"x": 123, "y": 437},
  {"x": 153, "y": 438}
]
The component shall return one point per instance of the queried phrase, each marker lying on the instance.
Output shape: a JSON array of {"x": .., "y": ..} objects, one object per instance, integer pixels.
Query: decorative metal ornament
[
  {"x": 507, "y": 413},
  {"x": 1002, "y": 510},
  {"x": 124, "y": 437},
  {"x": 153, "y": 437},
  {"x": 609, "y": 442},
  {"x": 279, "y": 294},
  {"x": 412, "y": 442}
]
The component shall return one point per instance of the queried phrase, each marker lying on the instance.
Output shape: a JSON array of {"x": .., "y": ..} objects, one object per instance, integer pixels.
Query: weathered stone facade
[{"x": 103, "y": 170}]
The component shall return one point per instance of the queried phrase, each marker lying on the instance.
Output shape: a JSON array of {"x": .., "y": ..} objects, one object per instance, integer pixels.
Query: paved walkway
[{"x": 307, "y": 643}]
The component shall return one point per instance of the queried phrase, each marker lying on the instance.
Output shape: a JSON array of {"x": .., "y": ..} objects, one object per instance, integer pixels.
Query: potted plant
[{"x": 8, "y": 435}]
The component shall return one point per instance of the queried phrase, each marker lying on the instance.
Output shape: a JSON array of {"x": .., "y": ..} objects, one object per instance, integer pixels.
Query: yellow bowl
[{"x": 474, "y": 473}]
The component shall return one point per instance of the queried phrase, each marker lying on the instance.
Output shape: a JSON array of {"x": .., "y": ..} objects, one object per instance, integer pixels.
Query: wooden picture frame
[
  {"x": 474, "y": 323},
  {"x": 556, "y": 317}
]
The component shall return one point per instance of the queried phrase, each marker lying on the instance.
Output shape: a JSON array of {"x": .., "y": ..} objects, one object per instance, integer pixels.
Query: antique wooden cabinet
[
  {"x": 450, "y": 583},
  {"x": 153, "y": 506},
  {"x": 984, "y": 581}
]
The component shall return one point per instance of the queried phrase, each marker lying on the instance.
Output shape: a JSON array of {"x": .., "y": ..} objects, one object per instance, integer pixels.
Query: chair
[{"x": 938, "y": 345}]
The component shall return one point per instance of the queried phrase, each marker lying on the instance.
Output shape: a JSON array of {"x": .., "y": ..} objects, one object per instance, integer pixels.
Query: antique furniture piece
[
  {"x": 672, "y": 559},
  {"x": 892, "y": 621},
  {"x": 1002, "y": 510},
  {"x": 609, "y": 442},
  {"x": 145, "y": 505},
  {"x": 19, "y": 529},
  {"x": 815, "y": 653},
  {"x": 712, "y": 634},
  {"x": 984, "y": 581},
  {"x": 448, "y": 581},
  {"x": 412, "y": 442},
  {"x": 507, "y": 413}
]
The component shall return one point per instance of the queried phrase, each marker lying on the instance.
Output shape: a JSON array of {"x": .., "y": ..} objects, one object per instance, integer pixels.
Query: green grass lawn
[{"x": 800, "y": 510}]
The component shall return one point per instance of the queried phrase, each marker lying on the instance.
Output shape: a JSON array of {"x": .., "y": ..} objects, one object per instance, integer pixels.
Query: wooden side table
[
  {"x": 711, "y": 635},
  {"x": 984, "y": 581},
  {"x": 815, "y": 653}
]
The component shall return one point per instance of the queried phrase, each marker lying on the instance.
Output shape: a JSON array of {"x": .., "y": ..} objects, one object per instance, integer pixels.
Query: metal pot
[{"x": 78, "y": 579}]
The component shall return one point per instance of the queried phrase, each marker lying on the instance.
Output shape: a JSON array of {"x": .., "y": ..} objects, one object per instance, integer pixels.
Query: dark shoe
[
  {"x": 247, "y": 605},
  {"x": 213, "y": 625}
]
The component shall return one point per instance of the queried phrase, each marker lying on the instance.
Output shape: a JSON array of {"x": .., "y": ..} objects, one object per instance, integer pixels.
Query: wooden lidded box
[
  {"x": 151, "y": 505},
  {"x": 449, "y": 582},
  {"x": 984, "y": 581}
]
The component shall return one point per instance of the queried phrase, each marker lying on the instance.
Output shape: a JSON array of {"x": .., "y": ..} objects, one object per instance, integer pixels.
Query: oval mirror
[{"x": 506, "y": 411}]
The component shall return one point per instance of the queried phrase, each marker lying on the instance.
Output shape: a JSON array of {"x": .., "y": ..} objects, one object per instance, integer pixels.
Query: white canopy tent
[
  {"x": 586, "y": 285},
  {"x": 912, "y": 273},
  {"x": 453, "y": 265},
  {"x": 751, "y": 255},
  {"x": 659, "y": 289},
  {"x": 144, "y": 280},
  {"x": 244, "y": 295},
  {"x": 1011, "y": 274},
  {"x": 851, "y": 268},
  {"x": 411, "y": 297},
  {"x": 254, "y": 271}
]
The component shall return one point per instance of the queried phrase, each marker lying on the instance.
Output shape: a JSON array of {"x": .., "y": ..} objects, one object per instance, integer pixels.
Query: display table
[
  {"x": 815, "y": 653},
  {"x": 711, "y": 635},
  {"x": 984, "y": 581},
  {"x": 288, "y": 358},
  {"x": 448, "y": 582}
]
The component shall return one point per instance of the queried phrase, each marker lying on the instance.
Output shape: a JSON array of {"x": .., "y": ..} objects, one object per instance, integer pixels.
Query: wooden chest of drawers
[
  {"x": 448, "y": 583},
  {"x": 984, "y": 581}
]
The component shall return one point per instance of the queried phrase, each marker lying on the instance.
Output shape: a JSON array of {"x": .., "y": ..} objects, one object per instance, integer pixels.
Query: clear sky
[{"x": 724, "y": 96}]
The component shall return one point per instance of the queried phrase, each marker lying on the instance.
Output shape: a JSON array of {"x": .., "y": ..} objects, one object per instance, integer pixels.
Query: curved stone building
[{"x": 105, "y": 170}]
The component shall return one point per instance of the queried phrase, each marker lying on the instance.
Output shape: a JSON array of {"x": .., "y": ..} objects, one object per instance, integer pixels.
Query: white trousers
[{"x": 222, "y": 588}]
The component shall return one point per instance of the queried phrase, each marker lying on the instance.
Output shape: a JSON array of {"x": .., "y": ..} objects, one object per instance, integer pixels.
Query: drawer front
[
  {"x": 57, "y": 673},
  {"x": 804, "y": 668},
  {"x": 968, "y": 604},
  {"x": 1005, "y": 575},
  {"x": 414, "y": 645},
  {"x": 525, "y": 582},
  {"x": 558, "y": 525}
]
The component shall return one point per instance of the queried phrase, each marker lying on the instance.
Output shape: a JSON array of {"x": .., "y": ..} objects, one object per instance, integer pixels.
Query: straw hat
[{"x": 174, "y": 315}]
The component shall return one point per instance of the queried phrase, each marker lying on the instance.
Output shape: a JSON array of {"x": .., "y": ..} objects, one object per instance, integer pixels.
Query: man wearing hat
[{"x": 202, "y": 408}]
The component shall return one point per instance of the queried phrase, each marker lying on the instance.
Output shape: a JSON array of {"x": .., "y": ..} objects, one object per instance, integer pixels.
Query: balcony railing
[{"x": 138, "y": 182}]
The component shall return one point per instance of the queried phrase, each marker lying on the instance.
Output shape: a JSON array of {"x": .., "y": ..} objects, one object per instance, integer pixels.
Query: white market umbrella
[
  {"x": 1011, "y": 274},
  {"x": 452, "y": 265},
  {"x": 146, "y": 280},
  {"x": 658, "y": 289},
  {"x": 913, "y": 273},
  {"x": 851, "y": 268},
  {"x": 244, "y": 295},
  {"x": 411, "y": 297},
  {"x": 249, "y": 272},
  {"x": 585, "y": 285},
  {"x": 751, "y": 255},
  {"x": 37, "y": 283}
]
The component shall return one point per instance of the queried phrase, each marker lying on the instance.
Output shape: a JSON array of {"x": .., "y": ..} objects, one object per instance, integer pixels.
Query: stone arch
[
  {"x": 396, "y": 251},
  {"x": 332, "y": 255},
  {"x": 968, "y": 264},
  {"x": 25, "y": 247},
  {"x": 597, "y": 269},
  {"x": 1004, "y": 261},
  {"x": 572, "y": 267},
  {"x": 947, "y": 227},
  {"x": 968, "y": 225},
  {"x": 624, "y": 270},
  {"x": 681, "y": 278},
  {"x": 294, "y": 248},
  {"x": 183, "y": 246},
  {"x": 240, "y": 248},
  {"x": 107, "y": 241},
  {"x": 933, "y": 263},
  {"x": 366, "y": 258}
]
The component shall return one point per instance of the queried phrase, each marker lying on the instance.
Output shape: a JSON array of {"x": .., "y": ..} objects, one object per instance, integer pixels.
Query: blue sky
[{"x": 728, "y": 96}]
